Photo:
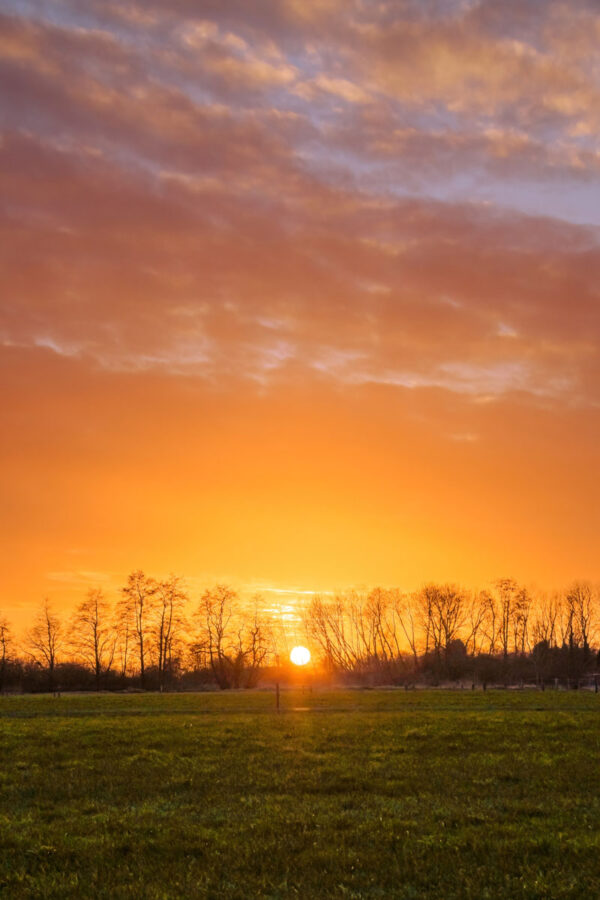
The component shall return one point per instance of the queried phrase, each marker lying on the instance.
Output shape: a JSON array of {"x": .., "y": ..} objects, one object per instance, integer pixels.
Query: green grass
[{"x": 441, "y": 794}]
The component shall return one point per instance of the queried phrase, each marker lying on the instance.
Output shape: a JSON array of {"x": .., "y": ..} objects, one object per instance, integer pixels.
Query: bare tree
[
  {"x": 331, "y": 627},
  {"x": 6, "y": 642},
  {"x": 44, "y": 640},
  {"x": 490, "y": 621},
  {"x": 362, "y": 627},
  {"x": 123, "y": 631},
  {"x": 477, "y": 618},
  {"x": 507, "y": 591},
  {"x": 545, "y": 620},
  {"x": 168, "y": 621},
  {"x": 391, "y": 624},
  {"x": 215, "y": 612},
  {"x": 520, "y": 620},
  {"x": 135, "y": 612},
  {"x": 404, "y": 624},
  {"x": 93, "y": 636},
  {"x": 443, "y": 615},
  {"x": 424, "y": 600},
  {"x": 235, "y": 644},
  {"x": 252, "y": 645},
  {"x": 579, "y": 601},
  {"x": 367, "y": 634}
]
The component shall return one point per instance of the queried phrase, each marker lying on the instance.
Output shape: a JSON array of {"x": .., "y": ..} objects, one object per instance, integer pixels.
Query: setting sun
[{"x": 300, "y": 656}]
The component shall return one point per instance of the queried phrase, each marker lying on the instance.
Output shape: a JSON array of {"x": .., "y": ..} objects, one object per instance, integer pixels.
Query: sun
[{"x": 300, "y": 656}]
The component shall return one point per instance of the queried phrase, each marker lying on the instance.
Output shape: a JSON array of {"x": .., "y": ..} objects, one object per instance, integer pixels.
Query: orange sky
[{"x": 298, "y": 294}]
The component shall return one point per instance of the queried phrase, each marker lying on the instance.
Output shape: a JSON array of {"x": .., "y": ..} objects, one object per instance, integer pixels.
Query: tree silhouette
[
  {"x": 136, "y": 608},
  {"x": 92, "y": 634},
  {"x": 44, "y": 640},
  {"x": 5, "y": 649}
]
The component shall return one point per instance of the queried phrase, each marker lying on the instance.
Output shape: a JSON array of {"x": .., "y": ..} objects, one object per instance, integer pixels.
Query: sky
[{"x": 298, "y": 294}]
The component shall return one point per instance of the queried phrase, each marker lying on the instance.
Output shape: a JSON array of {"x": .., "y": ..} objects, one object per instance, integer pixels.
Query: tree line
[
  {"x": 154, "y": 637},
  {"x": 149, "y": 638},
  {"x": 443, "y": 632}
]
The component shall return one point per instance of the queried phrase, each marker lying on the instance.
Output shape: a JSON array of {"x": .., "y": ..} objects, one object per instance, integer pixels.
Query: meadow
[{"x": 424, "y": 794}]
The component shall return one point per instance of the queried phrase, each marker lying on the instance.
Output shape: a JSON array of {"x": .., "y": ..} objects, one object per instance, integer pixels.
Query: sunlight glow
[{"x": 300, "y": 656}]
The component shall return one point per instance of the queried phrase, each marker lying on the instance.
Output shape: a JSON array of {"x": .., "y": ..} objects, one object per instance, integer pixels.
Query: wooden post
[{"x": 277, "y": 696}]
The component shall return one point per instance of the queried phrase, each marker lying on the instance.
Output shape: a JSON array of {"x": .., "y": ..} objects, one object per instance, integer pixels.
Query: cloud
[
  {"x": 139, "y": 270},
  {"x": 339, "y": 87}
]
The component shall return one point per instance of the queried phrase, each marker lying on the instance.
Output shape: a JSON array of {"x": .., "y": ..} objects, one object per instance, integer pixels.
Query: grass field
[{"x": 343, "y": 794}]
